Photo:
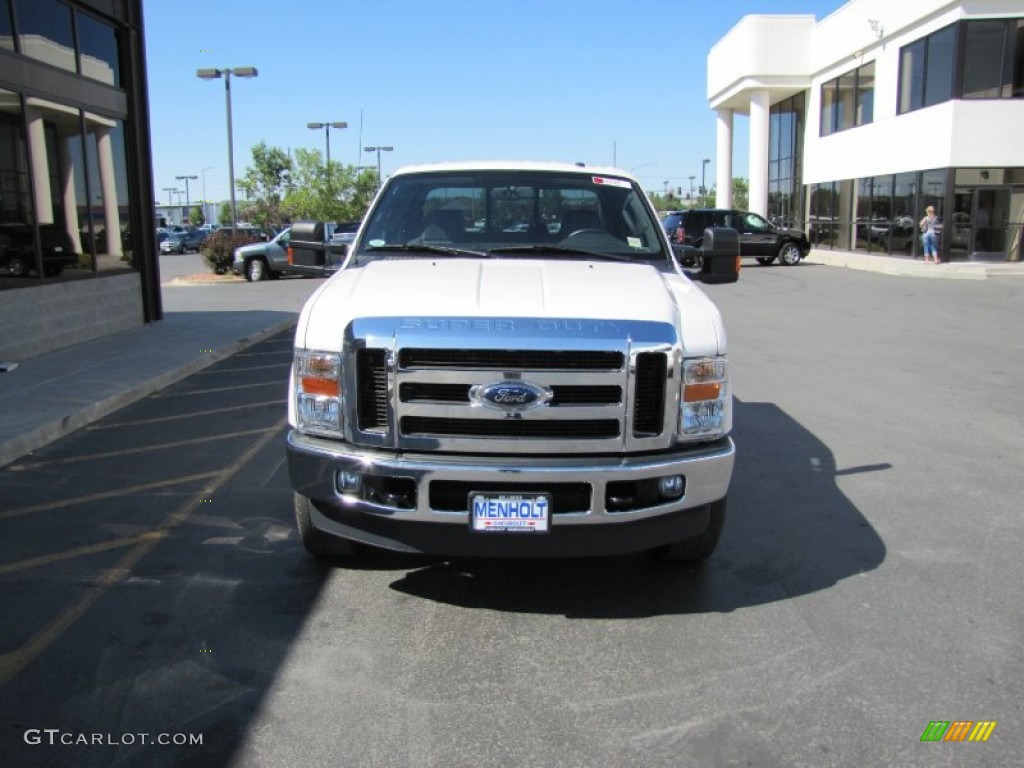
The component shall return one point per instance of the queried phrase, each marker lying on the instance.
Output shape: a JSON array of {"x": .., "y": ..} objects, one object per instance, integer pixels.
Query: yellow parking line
[
  {"x": 13, "y": 662},
  {"x": 139, "y": 450},
  {"x": 71, "y": 554},
  {"x": 65, "y": 502},
  {"x": 179, "y": 417}
]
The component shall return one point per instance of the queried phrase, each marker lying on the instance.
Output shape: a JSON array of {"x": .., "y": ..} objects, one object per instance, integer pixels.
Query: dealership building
[
  {"x": 861, "y": 120},
  {"x": 77, "y": 243}
]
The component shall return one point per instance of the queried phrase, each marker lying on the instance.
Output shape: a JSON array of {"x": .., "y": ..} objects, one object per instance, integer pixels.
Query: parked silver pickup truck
[{"x": 263, "y": 261}]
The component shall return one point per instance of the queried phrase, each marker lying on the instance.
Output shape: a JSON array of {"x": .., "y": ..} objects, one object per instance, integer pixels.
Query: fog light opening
[
  {"x": 671, "y": 487},
  {"x": 349, "y": 482}
]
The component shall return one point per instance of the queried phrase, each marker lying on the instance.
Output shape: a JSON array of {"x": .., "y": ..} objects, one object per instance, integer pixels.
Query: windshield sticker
[
  {"x": 377, "y": 243},
  {"x": 633, "y": 242},
  {"x": 611, "y": 182}
]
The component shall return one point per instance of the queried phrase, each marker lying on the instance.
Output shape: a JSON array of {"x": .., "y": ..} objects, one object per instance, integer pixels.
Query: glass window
[
  {"x": 97, "y": 49},
  {"x": 1015, "y": 53},
  {"x": 863, "y": 229},
  {"x": 904, "y": 214},
  {"x": 845, "y": 101},
  {"x": 938, "y": 85},
  {"x": 44, "y": 32},
  {"x": 983, "y": 58},
  {"x": 6, "y": 29},
  {"x": 866, "y": 94},
  {"x": 18, "y": 258},
  {"x": 108, "y": 191},
  {"x": 912, "y": 76},
  {"x": 828, "y": 107}
]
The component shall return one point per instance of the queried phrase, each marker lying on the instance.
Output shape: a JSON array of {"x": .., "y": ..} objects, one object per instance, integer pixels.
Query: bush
[{"x": 219, "y": 249}]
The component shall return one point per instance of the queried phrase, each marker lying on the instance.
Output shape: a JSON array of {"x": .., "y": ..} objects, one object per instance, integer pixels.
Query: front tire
[
  {"x": 789, "y": 255},
  {"x": 17, "y": 266},
  {"x": 255, "y": 270},
  {"x": 700, "y": 547},
  {"x": 316, "y": 542}
]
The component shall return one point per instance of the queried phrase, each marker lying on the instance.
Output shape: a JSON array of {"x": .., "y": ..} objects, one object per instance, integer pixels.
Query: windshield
[{"x": 511, "y": 214}]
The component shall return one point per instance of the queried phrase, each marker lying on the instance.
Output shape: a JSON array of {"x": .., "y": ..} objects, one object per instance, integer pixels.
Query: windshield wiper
[
  {"x": 444, "y": 250},
  {"x": 559, "y": 250}
]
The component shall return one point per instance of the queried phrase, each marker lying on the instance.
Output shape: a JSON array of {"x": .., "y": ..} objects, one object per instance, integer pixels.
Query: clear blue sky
[{"x": 570, "y": 80}]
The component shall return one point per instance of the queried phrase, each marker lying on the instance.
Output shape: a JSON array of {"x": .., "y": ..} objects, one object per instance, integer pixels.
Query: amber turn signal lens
[
  {"x": 705, "y": 391},
  {"x": 312, "y": 386}
]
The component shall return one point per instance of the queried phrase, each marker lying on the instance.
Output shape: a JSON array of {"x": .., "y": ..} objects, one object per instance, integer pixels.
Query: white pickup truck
[{"x": 511, "y": 362}]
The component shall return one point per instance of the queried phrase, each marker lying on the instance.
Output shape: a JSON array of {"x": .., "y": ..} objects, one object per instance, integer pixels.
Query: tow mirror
[{"x": 720, "y": 255}]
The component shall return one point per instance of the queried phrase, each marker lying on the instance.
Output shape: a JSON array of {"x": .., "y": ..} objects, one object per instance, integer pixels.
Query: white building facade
[{"x": 859, "y": 121}]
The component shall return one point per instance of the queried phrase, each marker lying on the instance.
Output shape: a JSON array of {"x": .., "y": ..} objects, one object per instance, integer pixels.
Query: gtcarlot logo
[
  {"x": 57, "y": 737},
  {"x": 958, "y": 730}
]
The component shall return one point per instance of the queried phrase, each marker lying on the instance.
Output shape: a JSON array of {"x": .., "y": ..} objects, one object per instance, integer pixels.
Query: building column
[
  {"x": 723, "y": 159},
  {"x": 111, "y": 219},
  {"x": 67, "y": 181},
  {"x": 759, "y": 127},
  {"x": 39, "y": 165}
]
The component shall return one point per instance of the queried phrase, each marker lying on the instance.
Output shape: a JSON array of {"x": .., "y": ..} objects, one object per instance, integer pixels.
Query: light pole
[
  {"x": 378, "y": 150},
  {"x": 206, "y": 210},
  {"x": 327, "y": 130},
  {"x": 226, "y": 73},
  {"x": 169, "y": 191},
  {"x": 703, "y": 167},
  {"x": 188, "y": 202},
  {"x": 691, "y": 190}
]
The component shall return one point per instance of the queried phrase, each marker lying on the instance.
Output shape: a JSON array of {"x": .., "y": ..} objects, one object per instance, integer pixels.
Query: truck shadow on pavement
[{"x": 789, "y": 531}]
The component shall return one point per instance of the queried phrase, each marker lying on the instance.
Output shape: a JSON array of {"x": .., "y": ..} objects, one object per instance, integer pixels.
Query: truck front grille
[
  {"x": 585, "y": 429},
  {"x": 510, "y": 359},
  {"x": 372, "y": 389},
  {"x": 600, "y": 392}
]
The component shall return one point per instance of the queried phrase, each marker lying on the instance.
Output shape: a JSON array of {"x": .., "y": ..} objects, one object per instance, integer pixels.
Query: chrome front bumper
[{"x": 314, "y": 464}]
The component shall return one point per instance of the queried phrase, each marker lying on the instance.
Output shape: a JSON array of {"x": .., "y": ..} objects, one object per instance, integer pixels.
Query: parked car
[
  {"x": 17, "y": 251},
  {"x": 261, "y": 261},
  {"x": 182, "y": 242},
  {"x": 759, "y": 238}
]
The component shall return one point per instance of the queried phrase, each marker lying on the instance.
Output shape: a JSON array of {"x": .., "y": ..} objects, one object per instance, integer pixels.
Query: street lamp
[
  {"x": 378, "y": 150},
  {"x": 169, "y": 191},
  {"x": 188, "y": 202},
  {"x": 691, "y": 190},
  {"x": 327, "y": 129},
  {"x": 703, "y": 167},
  {"x": 226, "y": 73}
]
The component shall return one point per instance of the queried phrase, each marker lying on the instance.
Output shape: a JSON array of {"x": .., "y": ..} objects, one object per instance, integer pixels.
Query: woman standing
[{"x": 929, "y": 234}]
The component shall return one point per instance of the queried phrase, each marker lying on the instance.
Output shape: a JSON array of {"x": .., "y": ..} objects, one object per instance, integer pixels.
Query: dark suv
[
  {"x": 17, "y": 249},
  {"x": 758, "y": 236}
]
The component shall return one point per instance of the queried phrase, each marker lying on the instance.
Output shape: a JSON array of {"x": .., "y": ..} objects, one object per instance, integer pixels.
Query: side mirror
[{"x": 720, "y": 255}]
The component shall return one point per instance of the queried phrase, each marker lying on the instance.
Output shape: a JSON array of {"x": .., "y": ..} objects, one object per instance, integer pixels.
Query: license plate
[
  {"x": 58, "y": 249},
  {"x": 510, "y": 513}
]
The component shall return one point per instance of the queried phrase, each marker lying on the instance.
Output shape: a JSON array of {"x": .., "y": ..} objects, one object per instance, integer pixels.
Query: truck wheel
[
  {"x": 701, "y": 547},
  {"x": 17, "y": 266},
  {"x": 789, "y": 254},
  {"x": 316, "y": 542},
  {"x": 255, "y": 270},
  {"x": 764, "y": 261}
]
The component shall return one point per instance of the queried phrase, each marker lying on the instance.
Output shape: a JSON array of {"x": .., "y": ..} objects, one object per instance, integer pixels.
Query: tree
[
  {"x": 340, "y": 193},
  {"x": 264, "y": 184},
  {"x": 740, "y": 193},
  {"x": 224, "y": 215},
  {"x": 196, "y": 216}
]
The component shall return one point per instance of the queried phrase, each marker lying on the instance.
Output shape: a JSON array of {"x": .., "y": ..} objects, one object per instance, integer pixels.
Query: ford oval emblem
[{"x": 510, "y": 395}]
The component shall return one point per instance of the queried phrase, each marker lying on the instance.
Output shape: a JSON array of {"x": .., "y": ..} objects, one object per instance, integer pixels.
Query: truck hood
[{"x": 501, "y": 288}]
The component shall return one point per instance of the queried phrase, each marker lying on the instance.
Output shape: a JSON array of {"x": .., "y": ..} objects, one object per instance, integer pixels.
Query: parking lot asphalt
[{"x": 867, "y": 583}]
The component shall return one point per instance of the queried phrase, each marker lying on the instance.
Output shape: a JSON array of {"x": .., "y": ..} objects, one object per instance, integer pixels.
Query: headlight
[
  {"x": 704, "y": 411},
  {"x": 318, "y": 395}
]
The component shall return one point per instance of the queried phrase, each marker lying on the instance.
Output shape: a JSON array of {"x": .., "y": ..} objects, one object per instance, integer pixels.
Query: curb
[
  {"x": 888, "y": 265},
  {"x": 22, "y": 445}
]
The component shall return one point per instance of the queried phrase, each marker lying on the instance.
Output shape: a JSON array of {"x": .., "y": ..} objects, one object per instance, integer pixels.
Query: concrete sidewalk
[
  {"x": 894, "y": 265},
  {"x": 52, "y": 395}
]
